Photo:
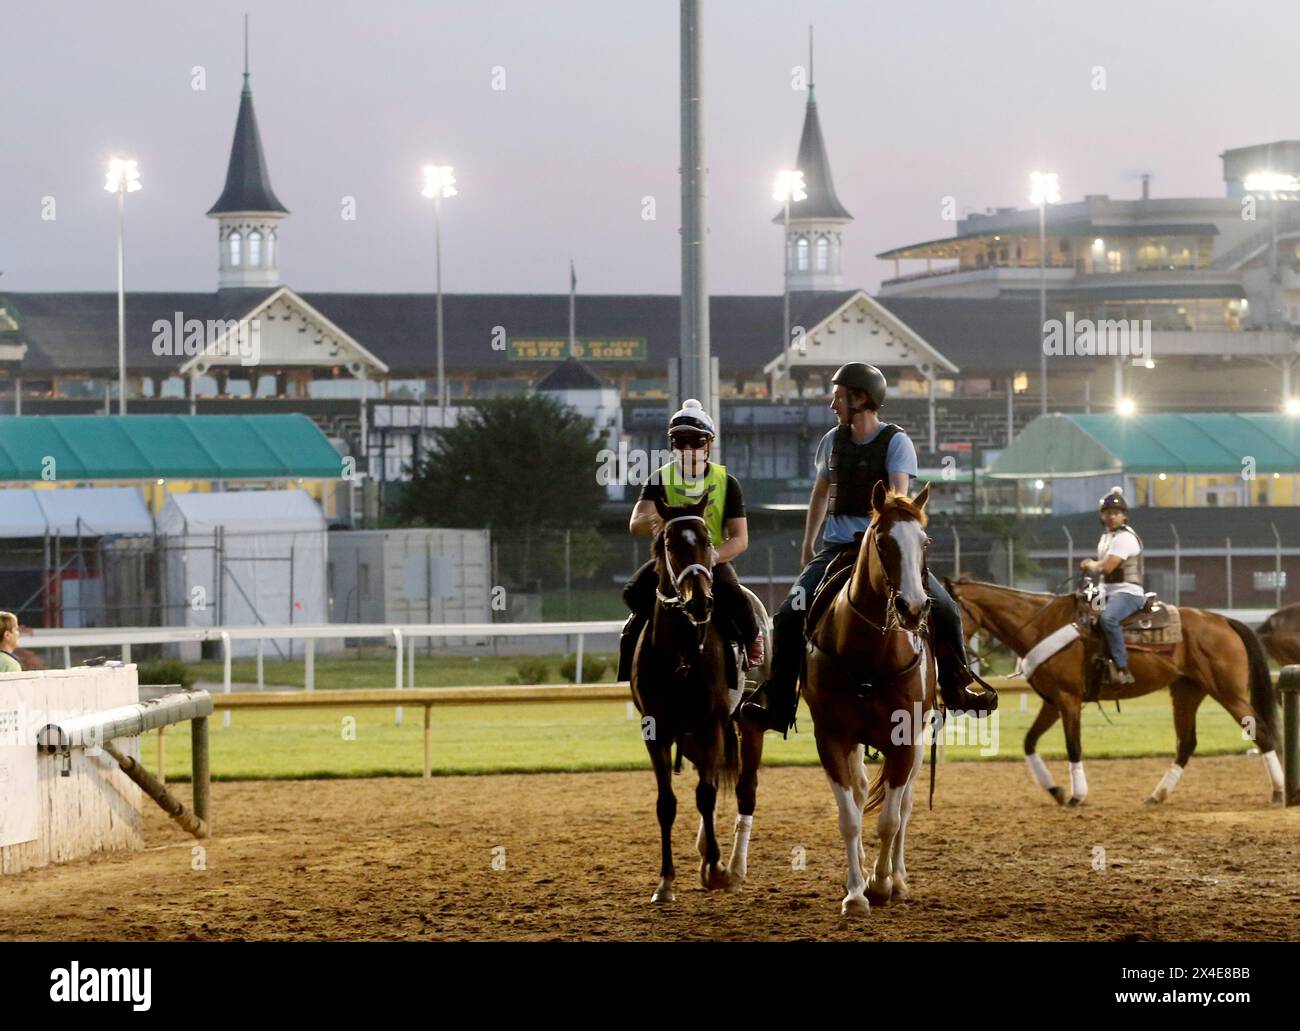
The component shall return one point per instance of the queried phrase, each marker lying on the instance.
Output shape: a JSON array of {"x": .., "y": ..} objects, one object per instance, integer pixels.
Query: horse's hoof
[
  {"x": 901, "y": 892},
  {"x": 1075, "y": 801},
  {"x": 880, "y": 894},
  {"x": 855, "y": 905},
  {"x": 714, "y": 876},
  {"x": 1057, "y": 793},
  {"x": 1278, "y": 798},
  {"x": 735, "y": 881},
  {"x": 664, "y": 893},
  {"x": 1154, "y": 798}
]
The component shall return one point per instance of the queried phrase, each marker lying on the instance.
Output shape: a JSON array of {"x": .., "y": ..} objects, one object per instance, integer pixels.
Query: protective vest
[
  {"x": 1130, "y": 570},
  {"x": 680, "y": 492},
  {"x": 855, "y": 468}
]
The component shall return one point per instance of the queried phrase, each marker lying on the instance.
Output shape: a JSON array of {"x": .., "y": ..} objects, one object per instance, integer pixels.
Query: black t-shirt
[{"x": 732, "y": 508}]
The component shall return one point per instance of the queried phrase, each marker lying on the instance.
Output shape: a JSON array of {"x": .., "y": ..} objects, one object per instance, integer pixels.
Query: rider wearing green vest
[{"x": 683, "y": 481}]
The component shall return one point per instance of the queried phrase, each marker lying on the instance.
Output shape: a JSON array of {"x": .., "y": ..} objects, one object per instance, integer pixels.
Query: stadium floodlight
[
  {"x": 1046, "y": 190},
  {"x": 439, "y": 182},
  {"x": 123, "y": 178}
]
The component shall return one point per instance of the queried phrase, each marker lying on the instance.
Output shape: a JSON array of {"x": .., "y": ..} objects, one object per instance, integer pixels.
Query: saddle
[
  {"x": 840, "y": 569},
  {"x": 1155, "y": 627}
]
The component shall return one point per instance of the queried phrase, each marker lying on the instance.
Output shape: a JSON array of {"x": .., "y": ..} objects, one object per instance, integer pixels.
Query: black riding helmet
[
  {"x": 1114, "y": 499},
  {"x": 863, "y": 377}
]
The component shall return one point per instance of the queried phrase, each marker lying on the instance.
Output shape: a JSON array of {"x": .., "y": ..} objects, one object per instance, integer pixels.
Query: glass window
[
  {"x": 236, "y": 249},
  {"x": 801, "y": 255},
  {"x": 823, "y": 253},
  {"x": 1114, "y": 261},
  {"x": 270, "y": 250},
  {"x": 255, "y": 249}
]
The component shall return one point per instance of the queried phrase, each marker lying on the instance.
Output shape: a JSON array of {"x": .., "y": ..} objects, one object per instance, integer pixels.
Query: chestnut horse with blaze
[
  {"x": 870, "y": 681},
  {"x": 1217, "y": 657}
]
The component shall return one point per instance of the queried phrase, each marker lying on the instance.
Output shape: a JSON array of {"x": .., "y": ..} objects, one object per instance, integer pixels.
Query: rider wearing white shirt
[{"x": 1119, "y": 565}]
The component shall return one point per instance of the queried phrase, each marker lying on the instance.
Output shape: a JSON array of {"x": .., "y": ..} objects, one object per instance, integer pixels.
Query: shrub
[
  {"x": 530, "y": 671},
  {"x": 592, "y": 668},
  {"x": 166, "y": 671}
]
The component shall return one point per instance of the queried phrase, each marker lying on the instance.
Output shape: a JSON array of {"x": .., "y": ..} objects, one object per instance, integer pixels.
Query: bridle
[
  {"x": 892, "y": 622},
  {"x": 675, "y": 578}
]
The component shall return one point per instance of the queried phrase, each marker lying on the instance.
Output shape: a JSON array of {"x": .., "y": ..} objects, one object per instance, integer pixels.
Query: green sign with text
[{"x": 595, "y": 349}]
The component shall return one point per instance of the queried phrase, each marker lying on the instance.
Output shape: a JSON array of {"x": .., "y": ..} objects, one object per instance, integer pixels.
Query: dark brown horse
[
  {"x": 1280, "y": 635},
  {"x": 680, "y": 683},
  {"x": 1217, "y": 656},
  {"x": 870, "y": 680}
]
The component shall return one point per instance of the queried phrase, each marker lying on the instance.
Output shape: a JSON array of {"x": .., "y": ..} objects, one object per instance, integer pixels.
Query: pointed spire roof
[
  {"x": 248, "y": 186},
  {"x": 815, "y": 165}
]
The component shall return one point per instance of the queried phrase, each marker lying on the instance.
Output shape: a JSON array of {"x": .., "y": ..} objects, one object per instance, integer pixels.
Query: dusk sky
[{"x": 917, "y": 101}]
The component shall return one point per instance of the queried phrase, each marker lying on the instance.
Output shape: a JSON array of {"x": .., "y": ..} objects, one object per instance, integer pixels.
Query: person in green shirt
[{"x": 9, "y": 643}]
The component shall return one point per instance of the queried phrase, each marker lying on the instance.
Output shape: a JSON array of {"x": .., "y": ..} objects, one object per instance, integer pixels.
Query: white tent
[
  {"x": 73, "y": 511},
  {"x": 244, "y": 558}
]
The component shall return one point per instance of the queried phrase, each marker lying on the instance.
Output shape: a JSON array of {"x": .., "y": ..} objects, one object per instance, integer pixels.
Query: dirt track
[{"x": 401, "y": 859}]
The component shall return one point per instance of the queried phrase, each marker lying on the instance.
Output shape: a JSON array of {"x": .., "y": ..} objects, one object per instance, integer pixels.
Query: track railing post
[
  {"x": 397, "y": 639},
  {"x": 1289, "y": 686},
  {"x": 225, "y": 673},
  {"x": 199, "y": 770}
]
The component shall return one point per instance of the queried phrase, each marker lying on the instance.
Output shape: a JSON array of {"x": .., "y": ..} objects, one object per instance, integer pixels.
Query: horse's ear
[
  {"x": 878, "y": 493},
  {"x": 921, "y": 498},
  {"x": 661, "y": 508}
]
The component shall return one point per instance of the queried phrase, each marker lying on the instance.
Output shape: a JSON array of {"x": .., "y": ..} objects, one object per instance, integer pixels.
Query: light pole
[
  {"x": 123, "y": 178},
  {"x": 439, "y": 182},
  {"x": 789, "y": 187},
  {"x": 1046, "y": 191}
]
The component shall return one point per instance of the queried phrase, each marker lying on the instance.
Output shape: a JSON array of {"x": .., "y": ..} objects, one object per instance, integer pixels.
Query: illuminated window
[
  {"x": 1020, "y": 382},
  {"x": 236, "y": 248},
  {"x": 1114, "y": 261}
]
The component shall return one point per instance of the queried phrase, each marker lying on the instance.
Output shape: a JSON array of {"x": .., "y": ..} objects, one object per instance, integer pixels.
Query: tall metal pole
[
  {"x": 437, "y": 244},
  {"x": 1042, "y": 305},
  {"x": 785, "y": 302},
  {"x": 695, "y": 364},
  {"x": 121, "y": 299}
]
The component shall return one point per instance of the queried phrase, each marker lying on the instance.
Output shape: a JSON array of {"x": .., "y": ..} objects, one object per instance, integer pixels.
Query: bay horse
[
  {"x": 680, "y": 684},
  {"x": 1217, "y": 656},
  {"x": 870, "y": 681},
  {"x": 1280, "y": 635}
]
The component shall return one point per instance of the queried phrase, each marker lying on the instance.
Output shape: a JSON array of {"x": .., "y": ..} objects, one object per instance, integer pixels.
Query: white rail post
[
  {"x": 67, "y": 657},
  {"x": 309, "y": 664},
  {"x": 126, "y": 655},
  {"x": 397, "y": 638},
  {"x": 225, "y": 673},
  {"x": 261, "y": 654},
  {"x": 577, "y": 678},
  {"x": 410, "y": 664}
]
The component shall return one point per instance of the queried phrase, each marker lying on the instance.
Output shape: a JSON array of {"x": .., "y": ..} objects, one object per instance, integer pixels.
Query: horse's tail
[
  {"x": 1263, "y": 698},
  {"x": 876, "y": 795}
]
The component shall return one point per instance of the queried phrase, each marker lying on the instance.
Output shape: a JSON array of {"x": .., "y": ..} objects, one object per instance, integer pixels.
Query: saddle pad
[
  {"x": 822, "y": 598},
  {"x": 1047, "y": 647}
]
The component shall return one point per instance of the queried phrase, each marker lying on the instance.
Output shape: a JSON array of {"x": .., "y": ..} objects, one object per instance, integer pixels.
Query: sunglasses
[{"x": 692, "y": 441}]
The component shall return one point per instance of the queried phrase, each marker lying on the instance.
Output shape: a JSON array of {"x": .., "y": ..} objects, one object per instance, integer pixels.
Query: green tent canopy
[
  {"x": 1206, "y": 444},
  {"x": 140, "y": 447}
]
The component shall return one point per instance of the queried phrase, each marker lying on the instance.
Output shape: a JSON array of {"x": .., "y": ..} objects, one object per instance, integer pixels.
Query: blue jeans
[{"x": 1119, "y": 606}]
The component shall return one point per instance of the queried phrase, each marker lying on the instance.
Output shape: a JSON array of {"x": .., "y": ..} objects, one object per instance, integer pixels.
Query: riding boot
[
  {"x": 955, "y": 678},
  {"x": 773, "y": 706},
  {"x": 627, "y": 644}
]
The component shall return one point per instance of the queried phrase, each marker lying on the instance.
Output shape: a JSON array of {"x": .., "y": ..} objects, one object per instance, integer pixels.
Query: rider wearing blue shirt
[{"x": 850, "y": 460}]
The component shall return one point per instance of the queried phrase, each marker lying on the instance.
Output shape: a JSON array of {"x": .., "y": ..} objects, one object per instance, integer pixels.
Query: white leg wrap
[
  {"x": 1078, "y": 782},
  {"x": 1040, "y": 772},
  {"x": 739, "y": 864},
  {"x": 1274, "y": 767},
  {"x": 1168, "y": 782}
]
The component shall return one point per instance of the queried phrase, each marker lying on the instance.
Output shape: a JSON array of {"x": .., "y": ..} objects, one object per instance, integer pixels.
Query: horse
[
  {"x": 680, "y": 673},
  {"x": 1280, "y": 635},
  {"x": 1217, "y": 656},
  {"x": 869, "y": 679}
]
